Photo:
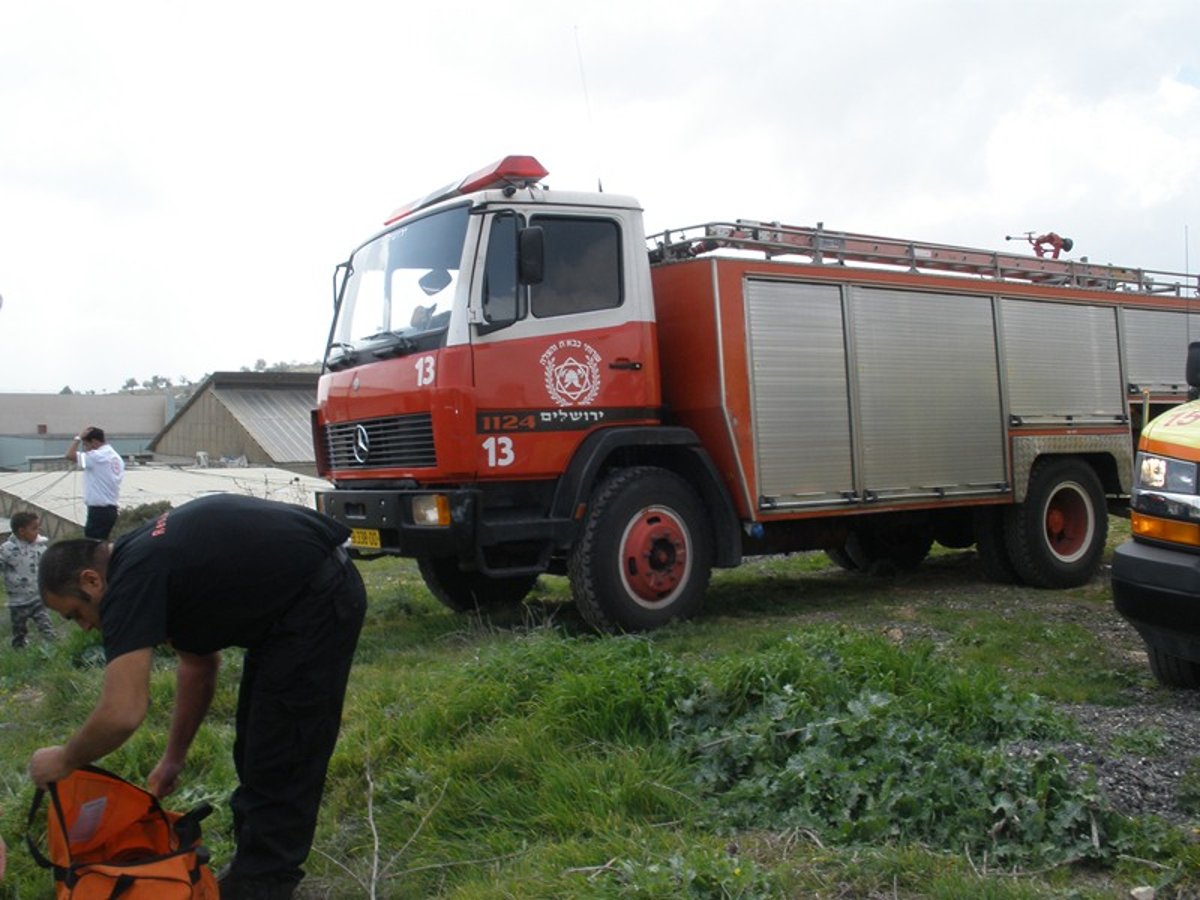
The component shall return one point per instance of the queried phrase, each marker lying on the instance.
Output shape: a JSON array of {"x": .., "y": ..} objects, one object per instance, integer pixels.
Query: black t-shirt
[{"x": 213, "y": 573}]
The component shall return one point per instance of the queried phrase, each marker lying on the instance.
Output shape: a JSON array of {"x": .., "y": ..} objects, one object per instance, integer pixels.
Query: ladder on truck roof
[{"x": 840, "y": 247}]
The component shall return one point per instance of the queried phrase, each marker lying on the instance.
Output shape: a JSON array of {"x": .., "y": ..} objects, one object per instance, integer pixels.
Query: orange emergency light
[{"x": 511, "y": 171}]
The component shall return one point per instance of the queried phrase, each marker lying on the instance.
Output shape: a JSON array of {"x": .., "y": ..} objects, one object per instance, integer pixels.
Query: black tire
[
  {"x": 839, "y": 557},
  {"x": 1056, "y": 537},
  {"x": 645, "y": 554},
  {"x": 954, "y": 528},
  {"x": 992, "y": 547},
  {"x": 468, "y": 591},
  {"x": 1173, "y": 671},
  {"x": 888, "y": 549}
]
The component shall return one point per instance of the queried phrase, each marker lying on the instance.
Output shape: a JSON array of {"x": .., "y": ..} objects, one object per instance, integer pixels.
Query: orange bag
[{"x": 109, "y": 839}]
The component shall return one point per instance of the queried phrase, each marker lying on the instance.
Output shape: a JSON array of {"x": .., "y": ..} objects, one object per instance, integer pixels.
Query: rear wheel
[
  {"x": 1056, "y": 536},
  {"x": 839, "y": 557},
  {"x": 1173, "y": 671},
  {"x": 992, "y": 547},
  {"x": 888, "y": 549},
  {"x": 466, "y": 591},
  {"x": 645, "y": 554},
  {"x": 954, "y": 528}
]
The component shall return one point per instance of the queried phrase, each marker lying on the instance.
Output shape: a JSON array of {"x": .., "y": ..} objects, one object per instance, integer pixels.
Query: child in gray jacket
[{"x": 19, "y": 557}]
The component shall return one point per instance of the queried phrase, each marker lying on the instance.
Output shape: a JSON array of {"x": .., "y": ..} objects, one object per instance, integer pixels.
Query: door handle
[{"x": 624, "y": 363}]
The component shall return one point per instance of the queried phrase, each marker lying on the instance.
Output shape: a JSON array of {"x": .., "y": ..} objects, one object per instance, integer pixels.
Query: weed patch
[{"x": 861, "y": 742}]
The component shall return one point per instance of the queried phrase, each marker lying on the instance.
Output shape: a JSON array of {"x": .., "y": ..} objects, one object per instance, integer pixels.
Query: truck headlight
[
  {"x": 431, "y": 509},
  {"x": 1162, "y": 473},
  {"x": 1166, "y": 489}
]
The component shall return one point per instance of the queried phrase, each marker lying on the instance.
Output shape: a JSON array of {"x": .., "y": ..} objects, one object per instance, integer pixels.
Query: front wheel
[
  {"x": 645, "y": 554},
  {"x": 1055, "y": 538},
  {"x": 1173, "y": 671},
  {"x": 466, "y": 591}
]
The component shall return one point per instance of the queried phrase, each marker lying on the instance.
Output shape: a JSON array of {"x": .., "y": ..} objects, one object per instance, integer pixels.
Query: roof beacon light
[{"x": 512, "y": 171}]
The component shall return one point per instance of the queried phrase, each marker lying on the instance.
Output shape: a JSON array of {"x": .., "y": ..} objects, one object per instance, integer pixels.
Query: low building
[
  {"x": 34, "y": 427},
  {"x": 245, "y": 419}
]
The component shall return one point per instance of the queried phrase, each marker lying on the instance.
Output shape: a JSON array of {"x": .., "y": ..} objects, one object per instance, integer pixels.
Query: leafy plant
[
  {"x": 130, "y": 518},
  {"x": 1189, "y": 786},
  {"x": 860, "y": 742}
]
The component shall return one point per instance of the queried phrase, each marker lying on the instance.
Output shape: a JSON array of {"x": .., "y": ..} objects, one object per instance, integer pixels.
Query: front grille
[{"x": 397, "y": 442}]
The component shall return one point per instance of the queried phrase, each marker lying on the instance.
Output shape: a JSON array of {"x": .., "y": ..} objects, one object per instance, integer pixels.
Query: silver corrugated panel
[
  {"x": 1156, "y": 347},
  {"x": 928, "y": 392},
  {"x": 279, "y": 420},
  {"x": 1061, "y": 360},
  {"x": 798, "y": 381}
]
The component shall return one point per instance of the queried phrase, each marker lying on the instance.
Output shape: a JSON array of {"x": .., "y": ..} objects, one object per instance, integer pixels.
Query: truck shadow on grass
[
  {"x": 772, "y": 588},
  {"x": 809, "y": 582}
]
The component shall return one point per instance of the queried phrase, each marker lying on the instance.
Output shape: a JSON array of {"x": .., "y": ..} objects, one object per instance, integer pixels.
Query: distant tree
[
  {"x": 260, "y": 365},
  {"x": 156, "y": 383},
  {"x": 66, "y": 390},
  {"x": 130, "y": 384}
]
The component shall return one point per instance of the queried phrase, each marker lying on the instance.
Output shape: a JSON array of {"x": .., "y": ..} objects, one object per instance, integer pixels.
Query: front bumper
[
  {"x": 389, "y": 514},
  {"x": 1157, "y": 589},
  {"x": 483, "y": 534}
]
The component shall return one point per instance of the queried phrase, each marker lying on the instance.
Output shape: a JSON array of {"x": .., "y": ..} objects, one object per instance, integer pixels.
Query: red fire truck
[{"x": 519, "y": 381}]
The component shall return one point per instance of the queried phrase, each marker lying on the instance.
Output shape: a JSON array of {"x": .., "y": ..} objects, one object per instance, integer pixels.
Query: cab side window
[
  {"x": 583, "y": 267},
  {"x": 500, "y": 294}
]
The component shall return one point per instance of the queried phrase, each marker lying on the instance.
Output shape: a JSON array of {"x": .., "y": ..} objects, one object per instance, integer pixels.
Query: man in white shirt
[{"x": 103, "y": 470}]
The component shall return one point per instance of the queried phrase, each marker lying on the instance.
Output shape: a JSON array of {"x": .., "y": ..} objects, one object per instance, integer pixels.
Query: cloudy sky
[{"x": 177, "y": 180}]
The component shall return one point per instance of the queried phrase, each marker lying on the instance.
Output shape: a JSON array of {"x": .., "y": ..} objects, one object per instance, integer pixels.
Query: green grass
[{"x": 813, "y": 734}]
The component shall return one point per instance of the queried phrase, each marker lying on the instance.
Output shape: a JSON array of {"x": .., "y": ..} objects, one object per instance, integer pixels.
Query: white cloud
[{"x": 177, "y": 181}]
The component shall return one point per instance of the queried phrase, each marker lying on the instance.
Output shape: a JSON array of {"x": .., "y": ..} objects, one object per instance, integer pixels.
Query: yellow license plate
[{"x": 365, "y": 537}]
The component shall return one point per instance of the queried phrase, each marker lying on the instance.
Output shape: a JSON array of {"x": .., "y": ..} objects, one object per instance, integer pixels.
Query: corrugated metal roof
[
  {"x": 278, "y": 418},
  {"x": 61, "y": 493}
]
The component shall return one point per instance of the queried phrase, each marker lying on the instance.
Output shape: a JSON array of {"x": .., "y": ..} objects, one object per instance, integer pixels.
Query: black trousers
[
  {"x": 100, "y": 522},
  {"x": 289, "y": 710}
]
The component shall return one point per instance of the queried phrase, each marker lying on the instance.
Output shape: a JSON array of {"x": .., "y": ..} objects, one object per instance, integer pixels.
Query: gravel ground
[
  {"x": 1140, "y": 783},
  {"x": 1141, "y": 750}
]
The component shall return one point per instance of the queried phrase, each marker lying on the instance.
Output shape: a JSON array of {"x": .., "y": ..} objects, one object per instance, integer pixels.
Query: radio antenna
[
  {"x": 1187, "y": 272},
  {"x": 587, "y": 102}
]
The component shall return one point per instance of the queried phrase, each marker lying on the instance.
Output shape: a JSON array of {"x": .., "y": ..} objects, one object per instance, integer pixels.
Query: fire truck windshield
[{"x": 400, "y": 290}]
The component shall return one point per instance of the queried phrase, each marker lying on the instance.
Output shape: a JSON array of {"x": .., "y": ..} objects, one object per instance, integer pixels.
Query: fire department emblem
[{"x": 572, "y": 372}]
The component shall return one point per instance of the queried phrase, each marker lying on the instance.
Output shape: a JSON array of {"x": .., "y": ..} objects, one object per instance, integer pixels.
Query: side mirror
[
  {"x": 433, "y": 281},
  {"x": 1193, "y": 364},
  {"x": 531, "y": 255}
]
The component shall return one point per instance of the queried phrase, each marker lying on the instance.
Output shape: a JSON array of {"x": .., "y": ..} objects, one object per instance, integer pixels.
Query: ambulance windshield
[{"x": 400, "y": 290}]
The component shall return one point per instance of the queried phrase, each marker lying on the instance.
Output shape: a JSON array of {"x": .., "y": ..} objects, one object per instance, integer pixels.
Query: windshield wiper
[
  {"x": 346, "y": 355},
  {"x": 397, "y": 345}
]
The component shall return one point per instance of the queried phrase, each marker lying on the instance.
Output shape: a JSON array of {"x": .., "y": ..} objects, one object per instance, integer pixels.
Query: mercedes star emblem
[{"x": 362, "y": 445}]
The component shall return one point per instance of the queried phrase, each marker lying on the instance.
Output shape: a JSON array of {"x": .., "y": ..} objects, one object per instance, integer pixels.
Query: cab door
[{"x": 569, "y": 353}]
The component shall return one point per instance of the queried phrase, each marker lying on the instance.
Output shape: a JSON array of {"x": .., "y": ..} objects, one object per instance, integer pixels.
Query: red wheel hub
[
  {"x": 1068, "y": 522},
  {"x": 654, "y": 555}
]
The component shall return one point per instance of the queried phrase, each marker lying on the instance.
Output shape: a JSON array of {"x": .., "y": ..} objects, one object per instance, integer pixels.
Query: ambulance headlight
[
  {"x": 1162, "y": 473},
  {"x": 431, "y": 509}
]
